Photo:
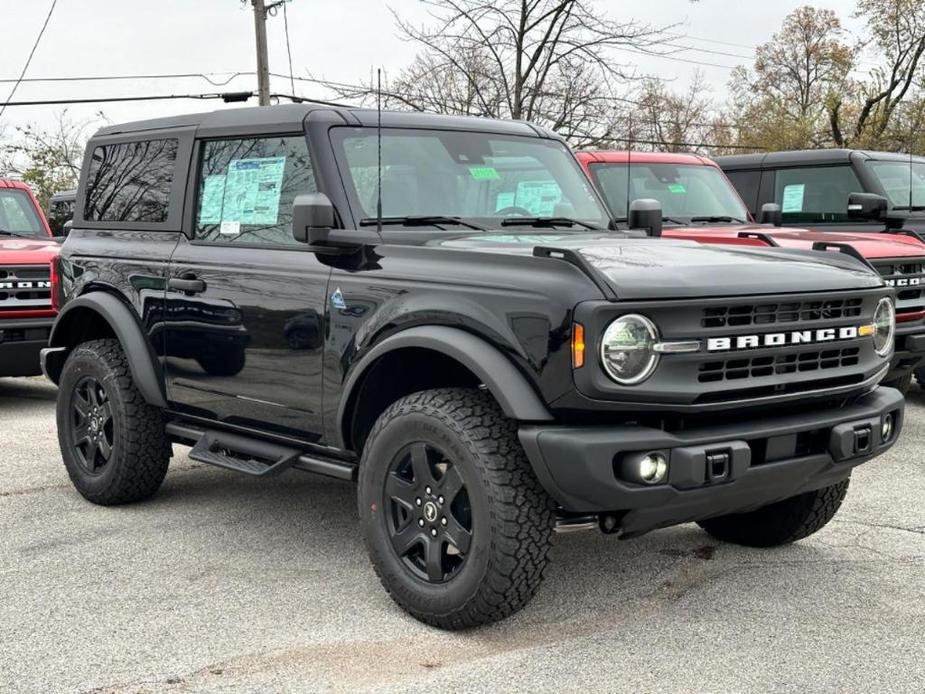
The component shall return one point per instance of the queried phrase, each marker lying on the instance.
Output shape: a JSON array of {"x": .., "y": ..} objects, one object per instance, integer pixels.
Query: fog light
[
  {"x": 653, "y": 468},
  {"x": 886, "y": 428}
]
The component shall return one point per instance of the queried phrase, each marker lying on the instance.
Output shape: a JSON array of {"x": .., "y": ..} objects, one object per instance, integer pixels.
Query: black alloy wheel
[
  {"x": 427, "y": 511},
  {"x": 92, "y": 425}
]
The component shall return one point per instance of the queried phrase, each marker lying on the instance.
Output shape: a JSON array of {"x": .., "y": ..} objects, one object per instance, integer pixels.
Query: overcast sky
[{"x": 342, "y": 40}]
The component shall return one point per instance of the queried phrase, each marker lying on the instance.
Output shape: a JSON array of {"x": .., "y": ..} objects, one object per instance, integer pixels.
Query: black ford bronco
[{"x": 487, "y": 354}]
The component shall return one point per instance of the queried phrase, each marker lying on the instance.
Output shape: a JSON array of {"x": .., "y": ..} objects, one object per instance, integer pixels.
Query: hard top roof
[
  {"x": 291, "y": 117},
  {"x": 614, "y": 156},
  {"x": 807, "y": 157}
]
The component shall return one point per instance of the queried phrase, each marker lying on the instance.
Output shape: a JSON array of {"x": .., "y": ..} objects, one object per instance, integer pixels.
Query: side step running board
[{"x": 252, "y": 456}]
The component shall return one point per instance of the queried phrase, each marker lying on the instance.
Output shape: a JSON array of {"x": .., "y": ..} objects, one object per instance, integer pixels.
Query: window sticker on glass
[
  {"x": 213, "y": 197},
  {"x": 540, "y": 197},
  {"x": 676, "y": 188},
  {"x": 484, "y": 173},
  {"x": 793, "y": 198},
  {"x": 252, "y": 190}
]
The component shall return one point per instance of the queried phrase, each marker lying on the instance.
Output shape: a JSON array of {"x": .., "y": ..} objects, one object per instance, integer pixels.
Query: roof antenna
[
  {"x": 910, "y": 180},
  {"x": 379, "y": 152},
  {"x": 629, "y": 166}
]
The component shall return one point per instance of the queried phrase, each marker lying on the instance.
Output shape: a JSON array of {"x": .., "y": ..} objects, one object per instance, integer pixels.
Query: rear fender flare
[{"x": 146, "y": 370}]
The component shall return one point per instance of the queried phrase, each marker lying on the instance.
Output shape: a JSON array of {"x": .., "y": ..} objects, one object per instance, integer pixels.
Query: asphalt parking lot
[{"x": 223, "y": 583}]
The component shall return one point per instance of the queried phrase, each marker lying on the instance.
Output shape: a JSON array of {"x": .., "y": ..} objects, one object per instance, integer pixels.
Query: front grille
[
  {"x": 777, "y": 364},
  {"x": 781, "y": 312},
  {"x": 25, "y": 287},
  {"x": 908, "y": 278}
]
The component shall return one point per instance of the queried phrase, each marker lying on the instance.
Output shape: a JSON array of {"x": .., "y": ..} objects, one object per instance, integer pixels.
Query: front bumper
[
  {"x": 21, "y": 341},
  {"x": 766, "y": 460}
]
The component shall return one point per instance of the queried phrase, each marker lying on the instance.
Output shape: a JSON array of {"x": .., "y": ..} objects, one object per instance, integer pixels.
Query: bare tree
[
  {"x": 551, "y": 62},
  {"x": 897, "y": 28},
  {"x": 675, "y": 121},
  {"x": 48, "y": 159}
]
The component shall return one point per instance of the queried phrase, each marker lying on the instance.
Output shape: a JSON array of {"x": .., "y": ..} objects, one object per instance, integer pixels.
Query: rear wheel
[
  {"x": 780, "y": 523},
  {"x": 457, "y": 526},
  {"x": 113, "y": 443}
]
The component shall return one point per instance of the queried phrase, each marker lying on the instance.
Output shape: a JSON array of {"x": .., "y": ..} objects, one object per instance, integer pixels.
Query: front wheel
[
  {"x": 456, "y": 524},
  {"x": 902, "y": 384},
  {"x": 780, "y": 523}
]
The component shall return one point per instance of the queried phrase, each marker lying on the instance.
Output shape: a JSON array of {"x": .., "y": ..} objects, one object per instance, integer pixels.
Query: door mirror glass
[
  {"x": 867, "y": 206},
  {"x": 312, "y": 217},
  {"x": 770, "y": 214}
]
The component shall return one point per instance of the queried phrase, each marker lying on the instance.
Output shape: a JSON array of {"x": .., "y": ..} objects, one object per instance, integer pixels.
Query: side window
[
  {"x": 246, "y": 189},
  {"x": 746, "y": 184},
  {"x": 818, "y": 194},
  {"x": 130, "y": 181}
]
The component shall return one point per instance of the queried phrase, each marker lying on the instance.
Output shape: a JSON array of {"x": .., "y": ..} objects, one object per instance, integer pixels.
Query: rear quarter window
[
  {"x": 815, "y": 194},
  {"x": 131, "y": 181}
]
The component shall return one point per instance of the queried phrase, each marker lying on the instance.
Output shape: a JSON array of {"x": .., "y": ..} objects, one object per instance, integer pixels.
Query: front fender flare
[
  {"x": 146, "y": 370},
  {"x": 510, "y": 388}
]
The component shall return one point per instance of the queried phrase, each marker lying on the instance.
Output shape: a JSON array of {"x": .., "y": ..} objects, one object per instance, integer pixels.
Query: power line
[
  {"x": 35, "y": 45},
  {"x": 207, "y": 76},
  {"x": 288, "y": 47},
  {"x": 228, "y": 97}
]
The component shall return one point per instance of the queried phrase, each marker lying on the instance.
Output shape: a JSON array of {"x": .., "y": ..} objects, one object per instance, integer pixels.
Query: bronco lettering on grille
[{"x": 795, "y": 337}]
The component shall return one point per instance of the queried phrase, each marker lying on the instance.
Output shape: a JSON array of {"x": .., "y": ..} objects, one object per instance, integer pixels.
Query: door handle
[{"x": 188, "y": 284}]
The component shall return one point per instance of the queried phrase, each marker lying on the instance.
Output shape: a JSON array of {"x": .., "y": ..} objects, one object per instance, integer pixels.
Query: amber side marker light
[
  {"x": 578, "y": 345},
  {"x": 867, "y": 330}
]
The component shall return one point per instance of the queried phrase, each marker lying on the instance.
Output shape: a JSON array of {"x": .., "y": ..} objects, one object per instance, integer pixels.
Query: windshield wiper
[
  {"x": 420, "y": 221},
  {"x": 16, "y": 234},
  {"x": 913, "y": 208},
  {"x": 546, "y": 222},
  {"x": 717, "y": 218}
]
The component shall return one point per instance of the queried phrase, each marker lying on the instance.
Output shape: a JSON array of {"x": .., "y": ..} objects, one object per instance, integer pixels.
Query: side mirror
[
  {"x": 646, "y": 214},
  {"x": 867, "y": 206},
  {"x": 770, "y": 214},
  {"x": 312, "y": 218}
]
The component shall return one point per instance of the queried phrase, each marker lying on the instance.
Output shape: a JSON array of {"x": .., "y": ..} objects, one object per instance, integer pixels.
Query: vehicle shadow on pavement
[{"x": 16, "y": 392}]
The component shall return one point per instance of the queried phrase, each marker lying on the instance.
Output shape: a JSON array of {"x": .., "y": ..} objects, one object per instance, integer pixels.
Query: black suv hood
[{"x": 664, "y": 268}]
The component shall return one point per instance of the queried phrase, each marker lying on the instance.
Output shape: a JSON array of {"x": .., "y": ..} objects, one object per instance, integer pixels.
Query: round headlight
[
  {"x": 884, "y": 327},
  {"x": 628, "y": 349}
]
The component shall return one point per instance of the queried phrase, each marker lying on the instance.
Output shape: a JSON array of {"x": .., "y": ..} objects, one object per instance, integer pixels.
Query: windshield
[
  {"x": 477, "y": 176},
  {"x": 17, "y": 213},
  {"x": 684, "y": 191},
  {"x": 895, "y": 177}
]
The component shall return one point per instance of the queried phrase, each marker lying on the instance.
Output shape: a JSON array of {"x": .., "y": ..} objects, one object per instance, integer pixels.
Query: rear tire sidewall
[
  {"x": 410, "y": 590},
  {"x": 84, "y": 362}
]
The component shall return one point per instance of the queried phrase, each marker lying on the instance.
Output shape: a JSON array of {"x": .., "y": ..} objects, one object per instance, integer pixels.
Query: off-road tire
[
  {"x": 512, "y": 516},
  {"x": 780, "y": 523},
  {"x": 902, "y": 384},
  {"x": 140, "y": 451}
]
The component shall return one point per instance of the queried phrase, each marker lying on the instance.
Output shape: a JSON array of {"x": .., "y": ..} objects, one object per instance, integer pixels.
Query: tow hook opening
[{"x": 862, "y": 440}]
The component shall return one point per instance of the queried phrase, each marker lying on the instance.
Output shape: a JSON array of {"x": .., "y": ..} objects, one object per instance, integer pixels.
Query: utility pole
[{"x": 263, "y": 62}]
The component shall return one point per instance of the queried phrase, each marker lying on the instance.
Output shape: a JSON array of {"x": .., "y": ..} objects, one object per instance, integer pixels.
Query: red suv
[
  {"x": 27, "y": 250},
  {"x": 699, "y": 203}
]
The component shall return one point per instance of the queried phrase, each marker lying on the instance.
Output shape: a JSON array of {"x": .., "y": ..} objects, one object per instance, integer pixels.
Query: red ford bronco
[{"x": 27, "y": 249}]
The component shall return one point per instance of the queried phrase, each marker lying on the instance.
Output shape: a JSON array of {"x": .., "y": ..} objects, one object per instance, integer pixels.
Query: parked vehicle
[
  {"x": 466, "y": 338},
  {"x": 812, "y": 187},
  {"x": 26, "y": 251},
  {"x": 700, "y": 204},
  {"x": 61, "y": 211}
]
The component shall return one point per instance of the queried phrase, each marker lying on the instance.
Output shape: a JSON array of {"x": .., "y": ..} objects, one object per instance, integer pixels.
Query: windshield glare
[
  {"x": 473, "y": 175},
  {"x": 894, "y": 177},
  {"x": 684, "y": 191},
  {"x": 17, "y": 213}
]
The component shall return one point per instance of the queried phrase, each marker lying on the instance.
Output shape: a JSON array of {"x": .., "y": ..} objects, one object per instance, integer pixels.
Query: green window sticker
[
  {"x": 676, "y": 188},
  {"x": 252, "y": 190},
  {"x": 793, "y": 198},
  {"x": 484, "y": 173}
]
